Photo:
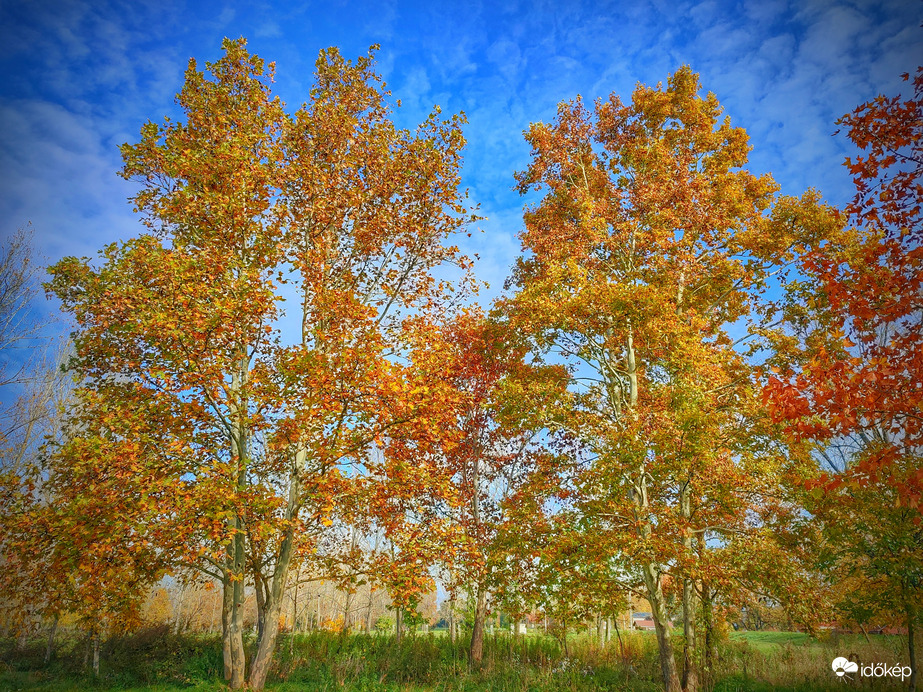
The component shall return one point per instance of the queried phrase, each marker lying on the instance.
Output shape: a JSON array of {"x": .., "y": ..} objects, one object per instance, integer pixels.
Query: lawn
[{"x": 767, "y": 641}]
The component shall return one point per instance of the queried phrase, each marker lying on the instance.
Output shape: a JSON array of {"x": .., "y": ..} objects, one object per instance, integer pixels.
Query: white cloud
[
  {"x": 505, "y": 55},
  {"x": 269, "y": 30},
  {"x": 58, "y": 176},
  {"x": 84, "y": 75}
]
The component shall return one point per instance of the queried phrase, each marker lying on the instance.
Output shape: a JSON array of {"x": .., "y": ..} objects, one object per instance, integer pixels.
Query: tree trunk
[
  {"x": 214, "y": 616},
  {"x": 368, "y": 612},
  {"x": 637, "y": 492},
  {"x": 235, "y": 662},
  {"x": 227, "y": 596},
  {"x": 662, "y": 628},
  {"x": 261, "y": 592},
  {"x": 96, "y": 654},
  {"x": 232, "y": 616},
  {"x": 564, "y": 638},
  {"x": 266, "y": 645},
  {"x": 618, "y": 634},
  {"x": 23, "y": 638},
  {"x": 398, "y": 624},
  {"x": 86, "y": 650},
  {"x": 49, "y": 647},
  {"x": 708, "y": 622},
  {"x": 690, "y": 671},
  {"x": 476, "y": 649},
  {"x": 178, "y": 611},
  {"x": 690, "y": 680},
  {"x": 347, "y": 607},
  {"x": 291, "y": 641}
]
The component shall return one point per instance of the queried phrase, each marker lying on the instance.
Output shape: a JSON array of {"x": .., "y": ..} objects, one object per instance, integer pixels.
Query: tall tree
[
  {"x": 850, "y": 370},
  {"x": 239, "y": 199},
  {"x": 650, "y": 243}
]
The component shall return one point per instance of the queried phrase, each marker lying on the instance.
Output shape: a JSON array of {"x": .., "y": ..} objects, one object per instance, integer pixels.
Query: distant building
[{"x": 644, "y": 621}]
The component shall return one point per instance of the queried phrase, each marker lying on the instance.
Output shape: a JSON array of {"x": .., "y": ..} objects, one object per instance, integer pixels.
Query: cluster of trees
[
  {"x": 283, "y": 378},
  {"x": 311, "y": 603}
]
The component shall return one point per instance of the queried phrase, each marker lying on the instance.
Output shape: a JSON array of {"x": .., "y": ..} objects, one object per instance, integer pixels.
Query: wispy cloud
[{"x": 81, "y": 77}]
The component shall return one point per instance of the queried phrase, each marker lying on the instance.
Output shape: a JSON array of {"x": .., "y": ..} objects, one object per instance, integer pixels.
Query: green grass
[
  {"x": 768, "y": 641},
  {"x": 156, "y": 660},
  {"x": 797, "y": 662}
]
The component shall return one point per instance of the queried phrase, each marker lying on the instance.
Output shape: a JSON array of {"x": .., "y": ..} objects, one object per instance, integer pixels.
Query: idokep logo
[{"x": 842, "y": 666}]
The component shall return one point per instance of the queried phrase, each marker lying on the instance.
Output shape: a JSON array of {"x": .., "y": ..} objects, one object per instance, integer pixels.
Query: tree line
[{"x": 695, "y": 390}]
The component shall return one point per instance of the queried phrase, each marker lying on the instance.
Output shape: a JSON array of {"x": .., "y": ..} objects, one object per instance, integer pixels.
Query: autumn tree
[
  {"x": 33, "y": 391},
  {"x": 446, "y": 488},
  {"x": 563, "y": 565},
  {"x": 851, "y": 367},
  {"x": 65, "y": 552},
  {"x": 496, "y": 392},
  {"x": 245, "y": 429},
  {"x": 650, "y": 244}
]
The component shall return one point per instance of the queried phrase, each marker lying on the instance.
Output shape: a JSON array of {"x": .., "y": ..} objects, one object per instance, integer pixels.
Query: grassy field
[
  {"x": 769, "y": 641},
  {"x": 748, "y": 662}
]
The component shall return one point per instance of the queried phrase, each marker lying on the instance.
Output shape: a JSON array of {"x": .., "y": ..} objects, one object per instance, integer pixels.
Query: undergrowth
[{"x": 155, "y": 659}]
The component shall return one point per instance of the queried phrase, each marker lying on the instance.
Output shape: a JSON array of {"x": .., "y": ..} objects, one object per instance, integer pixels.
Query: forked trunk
[
  {"x": 476, "y": 650},
  {"x": 272, "y": 606}
]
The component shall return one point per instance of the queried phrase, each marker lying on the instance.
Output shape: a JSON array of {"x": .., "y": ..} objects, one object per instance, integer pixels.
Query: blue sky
[{"x": 79, "y": 78}]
